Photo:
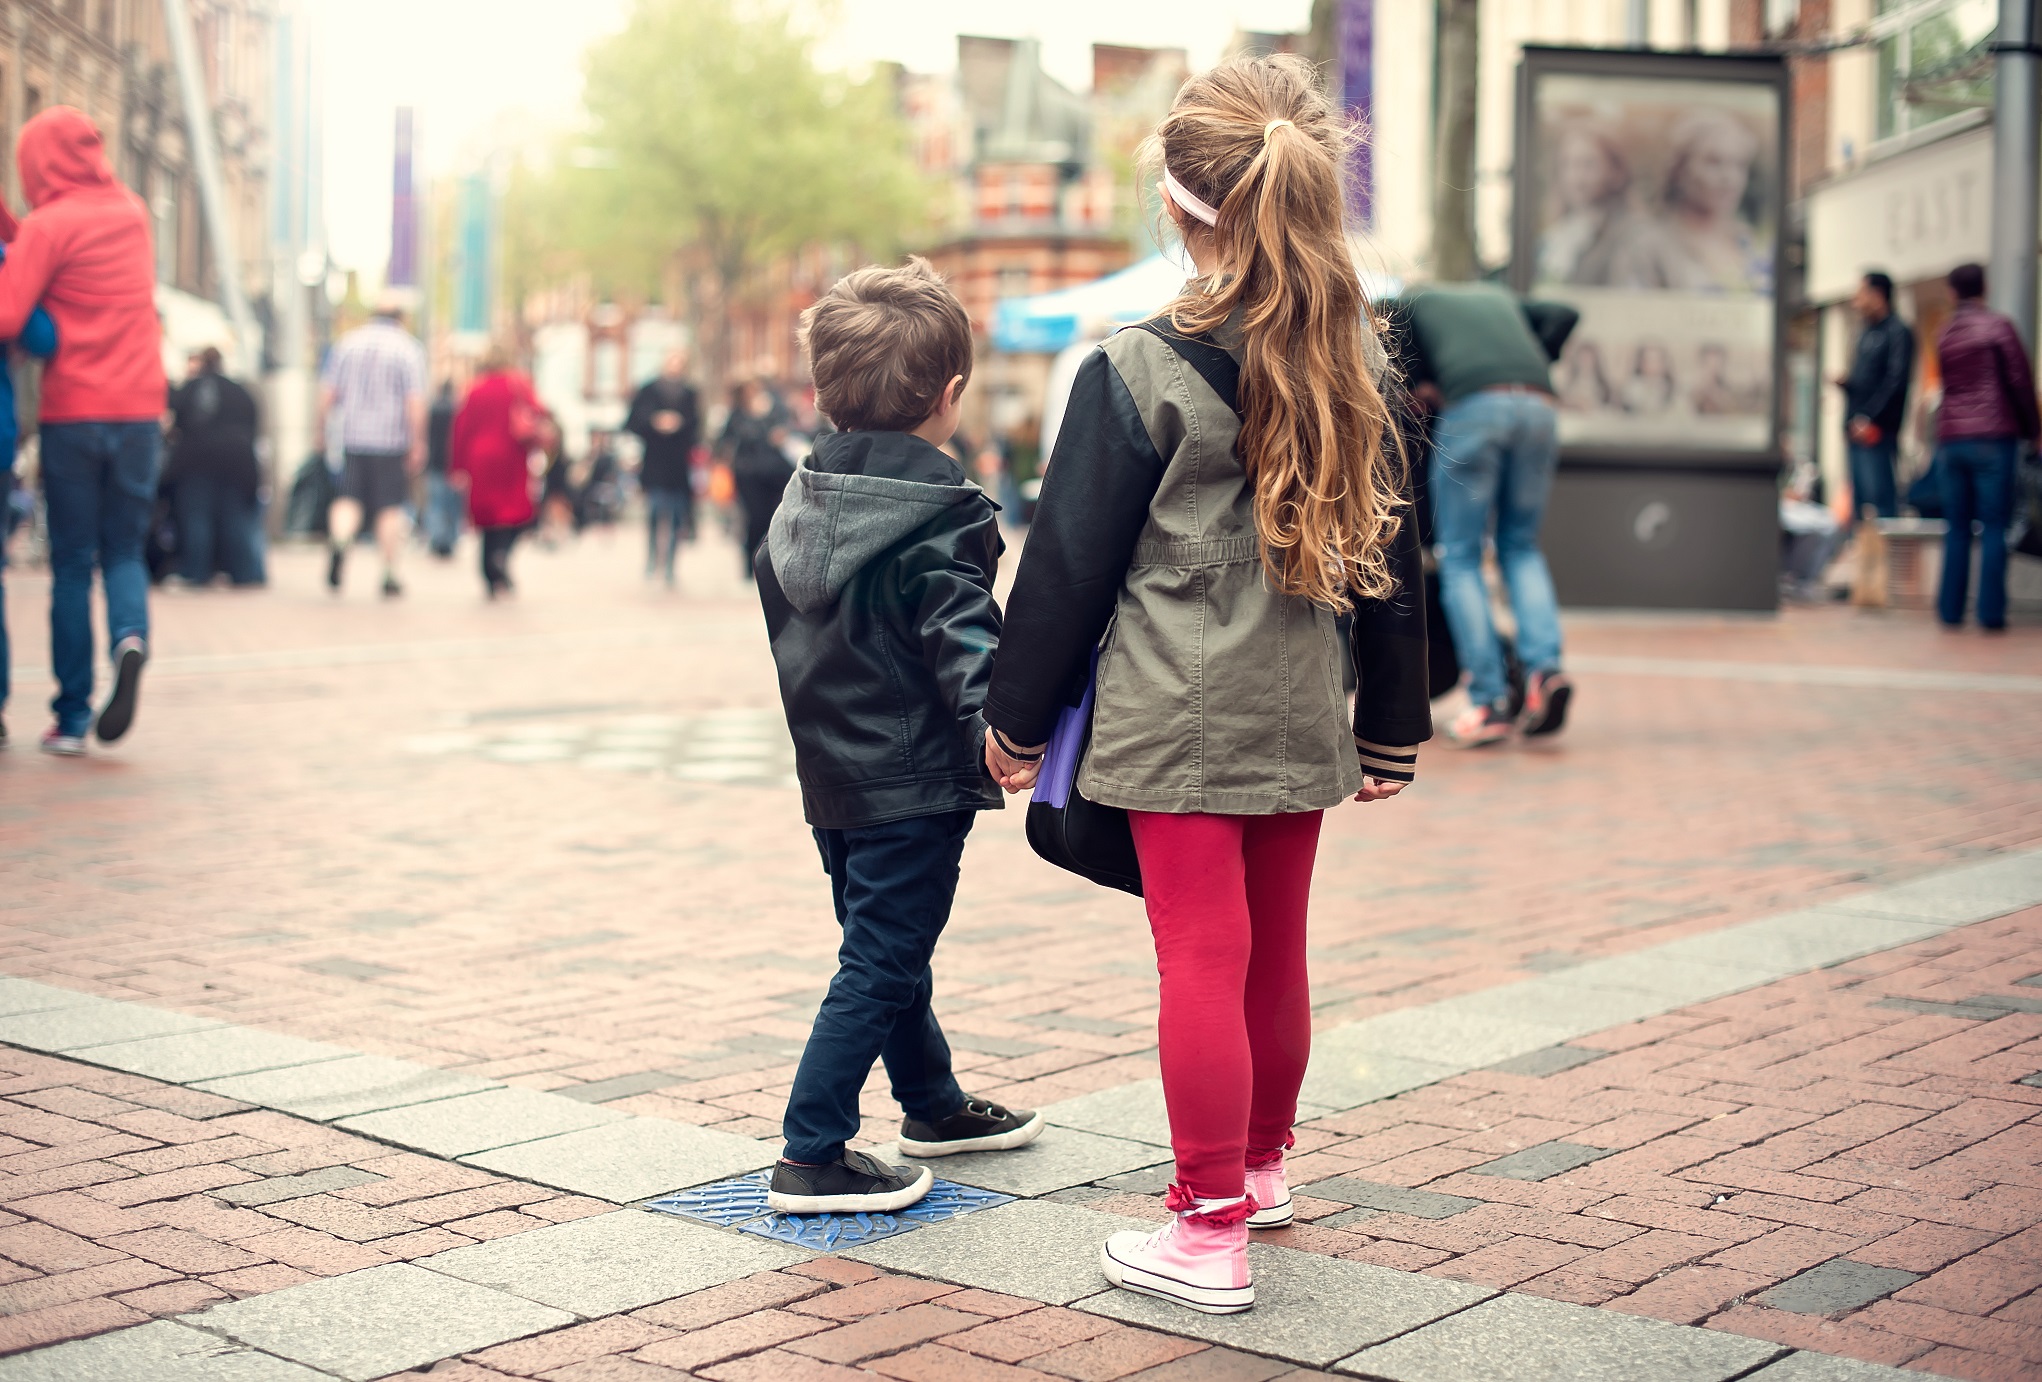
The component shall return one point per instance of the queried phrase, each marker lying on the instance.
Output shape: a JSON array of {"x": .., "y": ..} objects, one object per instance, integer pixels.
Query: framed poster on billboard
[{"x": 1650, "y": 195}]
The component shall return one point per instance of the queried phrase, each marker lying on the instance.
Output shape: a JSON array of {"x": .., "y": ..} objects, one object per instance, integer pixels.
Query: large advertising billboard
[{"x": 1649, "y": 197}]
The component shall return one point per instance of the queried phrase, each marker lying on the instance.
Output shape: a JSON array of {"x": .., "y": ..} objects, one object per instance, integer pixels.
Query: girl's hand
[
  {"x": 1374, "y": 789},
  {"x": 1011, "y": 773}
]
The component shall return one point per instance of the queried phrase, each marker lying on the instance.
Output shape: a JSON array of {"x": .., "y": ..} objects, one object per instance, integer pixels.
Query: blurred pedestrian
[
  {"x": 372, "y": 404},
  {"x": 1484, "y": 358},
  {"x": 38, "y": 338},
  {"x": 1988, "y": 410},
  {"x": 666, "y": 417},
  {"x": 751, "y": 442},
  {"x": 877, "y": 587},
  {"x": 489, "y": 458},
  {"x": 212, "y": 457},
  {"x": 84, "y": 253},
  {"x": 1225, "y": 482},
  {"x": 1875, "y": 397},
  {"x": 442, "y": 501}
]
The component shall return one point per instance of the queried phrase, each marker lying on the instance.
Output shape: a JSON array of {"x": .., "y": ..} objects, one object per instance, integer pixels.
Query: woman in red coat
[{"x": 489, "y": 456}]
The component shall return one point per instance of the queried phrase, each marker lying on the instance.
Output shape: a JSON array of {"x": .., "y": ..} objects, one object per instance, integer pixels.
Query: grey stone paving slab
[
  {"x": 1033, "y": 1248},
  {"x": 27, "y": 996},
  {"x": 1454, "y": 1032},
  {"x": 95, "y": 1022},
  {"x": 277, "y": 1189},
  {"x": 1958, "y": 896},
  {"x": 1057, "y": 1160},
  {"x": 371, "y": 1323},
  {"x": 481, "y": 1122},
  {"x": 1134, "y": 1111},
  {"x": 615, "y": 1262},
  {"x": 211, "y": 1054},
  {"x": 1831, "y": 1287},
  {"x": 1388, "y": 1199},
  {"x": 1794, "y": 942},
  {"x": 341, "y": 1088},
  {"x": 1346, "y": 1072},
  {"x": 160, "y": 1351},
  {"x": 1677, "y": 983},
  {"x": 1541, "y": 1162},
  {"x": 1825, "y": 1367},
  {"x": 1525, "y": 1339},
  {"x": 1551, "y": 1061},
  {"x": 1550, "y": 1003},
  {"x": 622, "y": 1087},
  {"x": 1309, "y": 1308},
  {"x": 633, "y": 1160}
]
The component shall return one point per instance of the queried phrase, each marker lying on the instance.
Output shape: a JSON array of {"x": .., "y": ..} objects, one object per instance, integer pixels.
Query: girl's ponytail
[{"x": 1257, "y": 144}]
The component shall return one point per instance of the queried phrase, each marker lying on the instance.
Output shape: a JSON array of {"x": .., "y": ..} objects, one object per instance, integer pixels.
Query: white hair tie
[
  {"x": 1181, "y": 195},
  {"x": 1270, "y": 128}
]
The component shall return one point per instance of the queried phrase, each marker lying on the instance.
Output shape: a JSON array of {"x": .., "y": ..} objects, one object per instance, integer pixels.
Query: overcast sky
[{"x": 476, "y": 67}]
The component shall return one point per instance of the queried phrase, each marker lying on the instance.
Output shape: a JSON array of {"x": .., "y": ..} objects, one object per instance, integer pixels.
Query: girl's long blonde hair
[{"x": 1257, "y": 140}]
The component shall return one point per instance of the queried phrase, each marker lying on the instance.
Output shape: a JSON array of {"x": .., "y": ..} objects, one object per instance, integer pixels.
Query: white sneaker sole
[
  {"x": 852, "y": 1204},
  {"x": 1209, "y": 1300},
  {"x": 998, "y": 1142},
  {"x": 1276, "y": 1216}
]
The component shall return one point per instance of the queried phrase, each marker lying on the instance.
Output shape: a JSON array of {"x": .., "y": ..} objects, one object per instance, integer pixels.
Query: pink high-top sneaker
[
  {"x": 1266, "y": 1186},
  {"x": 1197, "y": 1260}
]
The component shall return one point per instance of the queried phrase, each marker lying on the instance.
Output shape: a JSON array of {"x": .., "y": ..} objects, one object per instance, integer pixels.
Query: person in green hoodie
[{"x": 876, "y": 576}]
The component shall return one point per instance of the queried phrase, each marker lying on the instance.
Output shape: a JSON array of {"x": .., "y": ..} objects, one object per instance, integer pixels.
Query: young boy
[{"x": 877, "y": 582}]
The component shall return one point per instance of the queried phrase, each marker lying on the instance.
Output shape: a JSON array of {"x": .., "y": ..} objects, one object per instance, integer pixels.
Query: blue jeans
[
  {"x": 1978, "y": 483},
  {"x": 893, "y": 886},
  {"x": 1872, "y": 479},
  {"x": 669, "y": 520},
  {"x": 1494, "y": 455},
  {"x": 443, "y": 505},
  {"x": 99, "y": 480},
  {"x": 6, "y": 532},
  {"x": 219, "y": 528}
]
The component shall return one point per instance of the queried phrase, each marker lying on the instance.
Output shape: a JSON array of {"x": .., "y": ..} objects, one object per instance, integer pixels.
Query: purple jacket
[{"x": 1988, "y": 385}]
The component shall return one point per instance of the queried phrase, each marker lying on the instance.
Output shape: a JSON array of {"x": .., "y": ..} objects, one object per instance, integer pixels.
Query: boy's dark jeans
[{"x": 893, "y": 886}]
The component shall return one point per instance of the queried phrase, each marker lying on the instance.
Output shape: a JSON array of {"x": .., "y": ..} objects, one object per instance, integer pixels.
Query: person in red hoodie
[
  {"x": 490, "y": 458},
  {"x": 83, "y": 252}
]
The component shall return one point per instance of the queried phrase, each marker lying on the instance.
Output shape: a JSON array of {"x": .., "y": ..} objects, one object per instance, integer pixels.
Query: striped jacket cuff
[{"x": 1387, "y": 764}]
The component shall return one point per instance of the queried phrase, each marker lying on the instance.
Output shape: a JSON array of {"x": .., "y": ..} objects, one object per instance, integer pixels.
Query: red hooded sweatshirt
[{"x": 83, "y": 252}]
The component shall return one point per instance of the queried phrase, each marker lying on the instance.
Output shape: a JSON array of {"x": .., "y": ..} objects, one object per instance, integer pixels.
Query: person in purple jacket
[{"x": 1988, "y": 411}]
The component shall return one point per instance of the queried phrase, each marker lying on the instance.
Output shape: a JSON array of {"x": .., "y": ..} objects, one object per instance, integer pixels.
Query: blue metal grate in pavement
[{"x": 742, "y": 1203}]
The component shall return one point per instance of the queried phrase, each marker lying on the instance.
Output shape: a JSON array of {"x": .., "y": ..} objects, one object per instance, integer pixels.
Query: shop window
[{"x": 1935, "y": 61}]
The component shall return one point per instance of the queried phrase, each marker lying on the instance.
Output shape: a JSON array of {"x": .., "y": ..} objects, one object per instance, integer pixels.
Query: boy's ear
[{"x": 952, "y": 391}]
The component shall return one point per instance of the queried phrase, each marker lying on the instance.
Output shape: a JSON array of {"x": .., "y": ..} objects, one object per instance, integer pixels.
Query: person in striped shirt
[{"x": 372, "y": 409}]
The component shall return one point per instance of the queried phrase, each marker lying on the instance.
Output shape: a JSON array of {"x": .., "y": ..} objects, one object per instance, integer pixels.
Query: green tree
[{"x": 724, "y": 144}]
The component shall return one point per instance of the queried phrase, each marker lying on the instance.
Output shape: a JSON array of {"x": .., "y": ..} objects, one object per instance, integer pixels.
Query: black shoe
[
  {"x": 119, "y": 712},
  {"x": 391, "y": 590},
  {"x": 1545, "y": 703},
  {"x": 855, "y": 1183},
  {"x": 333, "y": 565},
  {"x": 3, "y": 734},
  {"x": 980, "y": 1126}
]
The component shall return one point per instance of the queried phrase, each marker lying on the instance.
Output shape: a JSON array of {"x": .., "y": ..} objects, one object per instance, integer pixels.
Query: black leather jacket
[
  {"x": 877, "y": 582},
  {"x": 1877, "y": 386}
]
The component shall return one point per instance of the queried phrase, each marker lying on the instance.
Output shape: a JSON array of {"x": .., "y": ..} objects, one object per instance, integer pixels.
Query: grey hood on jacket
[{"x": 831, "y": 523}]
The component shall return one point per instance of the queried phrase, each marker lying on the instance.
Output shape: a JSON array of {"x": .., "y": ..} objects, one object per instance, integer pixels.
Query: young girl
[{"x": 1213, "y": 551}]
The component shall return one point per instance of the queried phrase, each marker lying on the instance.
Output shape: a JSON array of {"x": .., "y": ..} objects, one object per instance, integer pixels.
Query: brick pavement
[{"x": 268, "y": 851}]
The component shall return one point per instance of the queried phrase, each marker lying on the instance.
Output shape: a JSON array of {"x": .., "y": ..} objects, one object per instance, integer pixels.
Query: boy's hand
[
  {"x": 1374, "y": 789},
  {"x": 1011, "y": 773}
]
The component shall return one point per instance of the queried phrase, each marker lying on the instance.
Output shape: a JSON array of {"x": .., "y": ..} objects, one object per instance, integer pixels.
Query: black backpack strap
[{"x": 1214, "y": 365}]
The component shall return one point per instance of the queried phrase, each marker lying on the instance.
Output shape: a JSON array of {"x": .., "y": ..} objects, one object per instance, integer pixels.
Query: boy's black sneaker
[
  {"x": 980, "y": 1126},
  {"x": 1545, "y": 703},
  {"x": 119, "y": 711},
  {"x": 334, "y": 562},
  {"x": 855, "y": 1183}
]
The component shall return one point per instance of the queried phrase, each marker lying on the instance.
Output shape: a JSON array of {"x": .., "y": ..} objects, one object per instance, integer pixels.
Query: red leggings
[{"x": 1227, "y": 898}]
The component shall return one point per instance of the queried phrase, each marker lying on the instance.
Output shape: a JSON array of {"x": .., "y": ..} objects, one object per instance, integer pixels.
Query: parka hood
[
  {"x": 60, "y": 151},
  {"x": 849, "y": 502}
]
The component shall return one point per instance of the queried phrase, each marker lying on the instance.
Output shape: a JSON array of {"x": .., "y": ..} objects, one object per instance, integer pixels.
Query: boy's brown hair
[{"x": 883, "y": 343}]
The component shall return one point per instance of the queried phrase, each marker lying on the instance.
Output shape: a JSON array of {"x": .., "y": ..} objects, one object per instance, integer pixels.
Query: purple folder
[{"x": 1066, "y": 747}]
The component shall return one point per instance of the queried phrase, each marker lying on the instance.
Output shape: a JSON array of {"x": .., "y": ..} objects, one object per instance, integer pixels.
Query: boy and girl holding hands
[{"x": 1226, "y": 484}]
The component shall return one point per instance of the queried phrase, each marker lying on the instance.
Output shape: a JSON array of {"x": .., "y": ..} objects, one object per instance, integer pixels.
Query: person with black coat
[
  {"x": 215, "y": 477},
  {"x": 666, "y": 417},
  {"x": 751, "y": 442},
  {"x": 1875, "y": 398},
  {"x": 877, "y": 582}
]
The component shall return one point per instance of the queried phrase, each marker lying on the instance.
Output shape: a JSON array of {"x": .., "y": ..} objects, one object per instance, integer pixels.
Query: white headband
[{"x": 1192, "y": 205}]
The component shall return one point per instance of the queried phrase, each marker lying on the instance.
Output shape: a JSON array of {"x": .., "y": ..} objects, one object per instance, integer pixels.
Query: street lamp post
[{"x": 2015, "y": 151}]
